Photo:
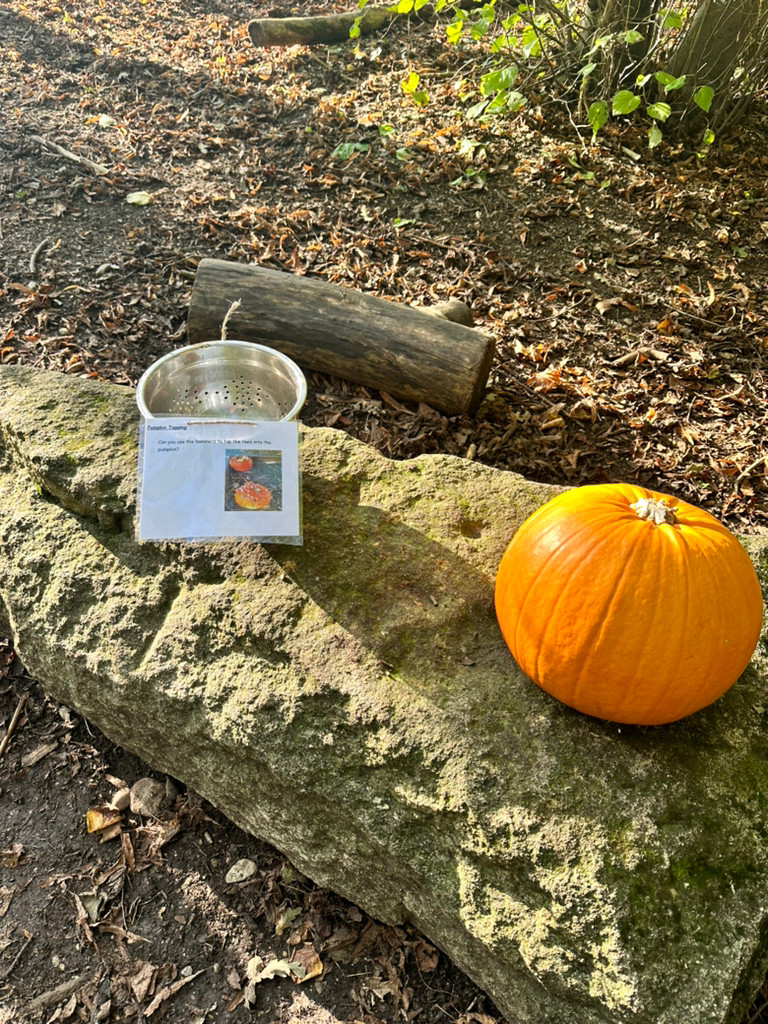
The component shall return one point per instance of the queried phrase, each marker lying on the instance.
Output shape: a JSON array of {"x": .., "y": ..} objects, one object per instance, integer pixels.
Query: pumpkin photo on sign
[
  {"x": 253, "y": 481},
  {"x": 628, "y": 604}
]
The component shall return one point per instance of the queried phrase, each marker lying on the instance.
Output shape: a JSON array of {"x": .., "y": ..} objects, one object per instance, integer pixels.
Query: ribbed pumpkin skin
[{"x": 624, "y": 619}]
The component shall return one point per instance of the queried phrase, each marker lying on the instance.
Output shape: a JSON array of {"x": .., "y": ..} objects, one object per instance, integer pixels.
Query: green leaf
[
  {"x": 480, "y": 28},
  {"x": 659, "y": 111},
  {"x": 654, "y": 136},
  {"x": 587, "y": 69},
  {"x": 404, "y": 6},
  {"x": 504, "y": 78},
  {"x": 403, "y": 154},
  {"x": 410, "y": 84},
  {"x": 641, "y": 80},
  {"x": 709, "y": 137},
  {"x": 400, "y": 222},
  {"x": 499, "y": 103},
  {"x": 531, "y": 42},
  {"x": 139, "y": 198},
  {"x": 670, "y": 19},
  {"x": 515, "y": 100},
  {"x": 503, "y": 42},
  {"x": 420, "y": 97},
  {"x": 476, "y": 110},
  {"x": 669, "y": 82},
  {"x": 633, "y": 36},
  {"x": 454, "y": 31},
  {"x": 703, "y": 97},
  {"x": 344, "y": 150},
  {"x": 354, "y": 32},
  {"x": 597, "y": 115},
  {"x": 624, "y": 102}
]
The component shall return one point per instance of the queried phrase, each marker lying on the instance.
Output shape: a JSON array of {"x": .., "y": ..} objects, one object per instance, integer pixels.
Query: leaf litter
[{"x": 628, "y": 298}]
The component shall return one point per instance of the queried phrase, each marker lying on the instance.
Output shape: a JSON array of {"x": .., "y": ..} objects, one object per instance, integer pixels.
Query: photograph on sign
[
  {"x": 206, "y": 480},
  {"x": 254, "y": 480}
]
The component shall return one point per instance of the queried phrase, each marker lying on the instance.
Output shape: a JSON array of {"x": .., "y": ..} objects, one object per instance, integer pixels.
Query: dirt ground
[{"x": 627, "y": 295}]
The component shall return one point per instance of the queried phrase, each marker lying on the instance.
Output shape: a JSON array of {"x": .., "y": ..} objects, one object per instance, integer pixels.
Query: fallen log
[
  {"x": 339, "y": 331},
  {"x": 321, "y": 28}
]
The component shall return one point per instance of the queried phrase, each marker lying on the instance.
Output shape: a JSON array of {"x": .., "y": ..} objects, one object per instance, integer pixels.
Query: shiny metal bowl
[{"x": 226, "y": 380}]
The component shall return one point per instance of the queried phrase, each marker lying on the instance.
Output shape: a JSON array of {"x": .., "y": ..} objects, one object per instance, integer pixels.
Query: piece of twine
[{"x": 235, "y": 305}]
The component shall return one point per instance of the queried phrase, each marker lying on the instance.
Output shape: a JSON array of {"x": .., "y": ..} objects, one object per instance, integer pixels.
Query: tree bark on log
[
  {"x": 328, "y": 28},
  {"x": 339, "y": 331}
]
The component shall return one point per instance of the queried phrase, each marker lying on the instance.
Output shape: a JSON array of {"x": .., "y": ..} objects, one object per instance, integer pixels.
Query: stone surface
[{"x": 352, "y": 702}]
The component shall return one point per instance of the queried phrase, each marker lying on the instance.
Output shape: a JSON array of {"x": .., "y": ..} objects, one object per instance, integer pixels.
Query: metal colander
[{"x": 226, "y": 380}]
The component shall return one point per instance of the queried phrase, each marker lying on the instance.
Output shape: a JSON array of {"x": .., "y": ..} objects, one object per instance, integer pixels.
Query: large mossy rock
[{"x": 352, "y": 702}]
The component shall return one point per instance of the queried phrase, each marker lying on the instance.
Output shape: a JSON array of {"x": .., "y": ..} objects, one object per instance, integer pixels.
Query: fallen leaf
[
  {"x": 97, "y": 818},
  {"x": 143, "y": 982},
  {"x": 93, "y": 902},
  {"x": 6, "y": 896},
  {"x": 286, "y": 919},
  {"x": 279, "y": 969},
  {"x": 11, "y": 855},
  {"x": 310, "y": 963},
  {"x": 167, "y": 992},
  {"x": 126, "y": 849},
  {"x": 139, "y": 198},
  {"x": 605, "y": 304},
  {"x": 82, "y": 921},
  {"x": 426, "y": 956}
]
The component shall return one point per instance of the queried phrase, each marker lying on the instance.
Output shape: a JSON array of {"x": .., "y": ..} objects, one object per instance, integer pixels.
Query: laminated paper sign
[{"x": 208, "y": 480}]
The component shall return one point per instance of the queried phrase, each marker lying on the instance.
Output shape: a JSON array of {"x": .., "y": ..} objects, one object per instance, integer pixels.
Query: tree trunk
[
  {"x": 721, "y": 37},
  {"x": 712, "y": 42},
  {"x": 343, "y": 332}
]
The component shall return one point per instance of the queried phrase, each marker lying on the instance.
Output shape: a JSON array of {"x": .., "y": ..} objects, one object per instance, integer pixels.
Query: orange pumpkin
[
  {"x": 253, "y": 496},
  {"x": 627, "y": 604}
]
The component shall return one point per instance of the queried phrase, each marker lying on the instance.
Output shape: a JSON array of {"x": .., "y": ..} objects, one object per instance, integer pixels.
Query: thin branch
[
  {"x": 81, "y": 161},
  {"x": 38, "y": 249},
  {"x": 746, "y": 472},
  {"x": 8, "y": 970},
  {"x": 12, "y": 725}
]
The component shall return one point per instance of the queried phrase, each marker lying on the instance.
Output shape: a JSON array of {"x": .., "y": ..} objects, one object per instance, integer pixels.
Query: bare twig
[
  {"x": 56, "y": 995},
  {"x": 38, "y": 249},
  {"x": 12, "y": 725},
  {"x": 81, "y": 161},
  {"x": 746, "y": 472},
  {"x": 556, "y": 316},
  {"x": 8, "y": 970}
]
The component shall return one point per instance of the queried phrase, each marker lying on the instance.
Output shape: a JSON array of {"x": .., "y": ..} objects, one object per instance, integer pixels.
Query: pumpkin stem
[{"x": 657, "y": 512}]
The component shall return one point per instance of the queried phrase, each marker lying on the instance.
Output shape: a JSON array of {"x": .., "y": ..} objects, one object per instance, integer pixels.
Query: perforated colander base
[{"x": 237, "y": 396}]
